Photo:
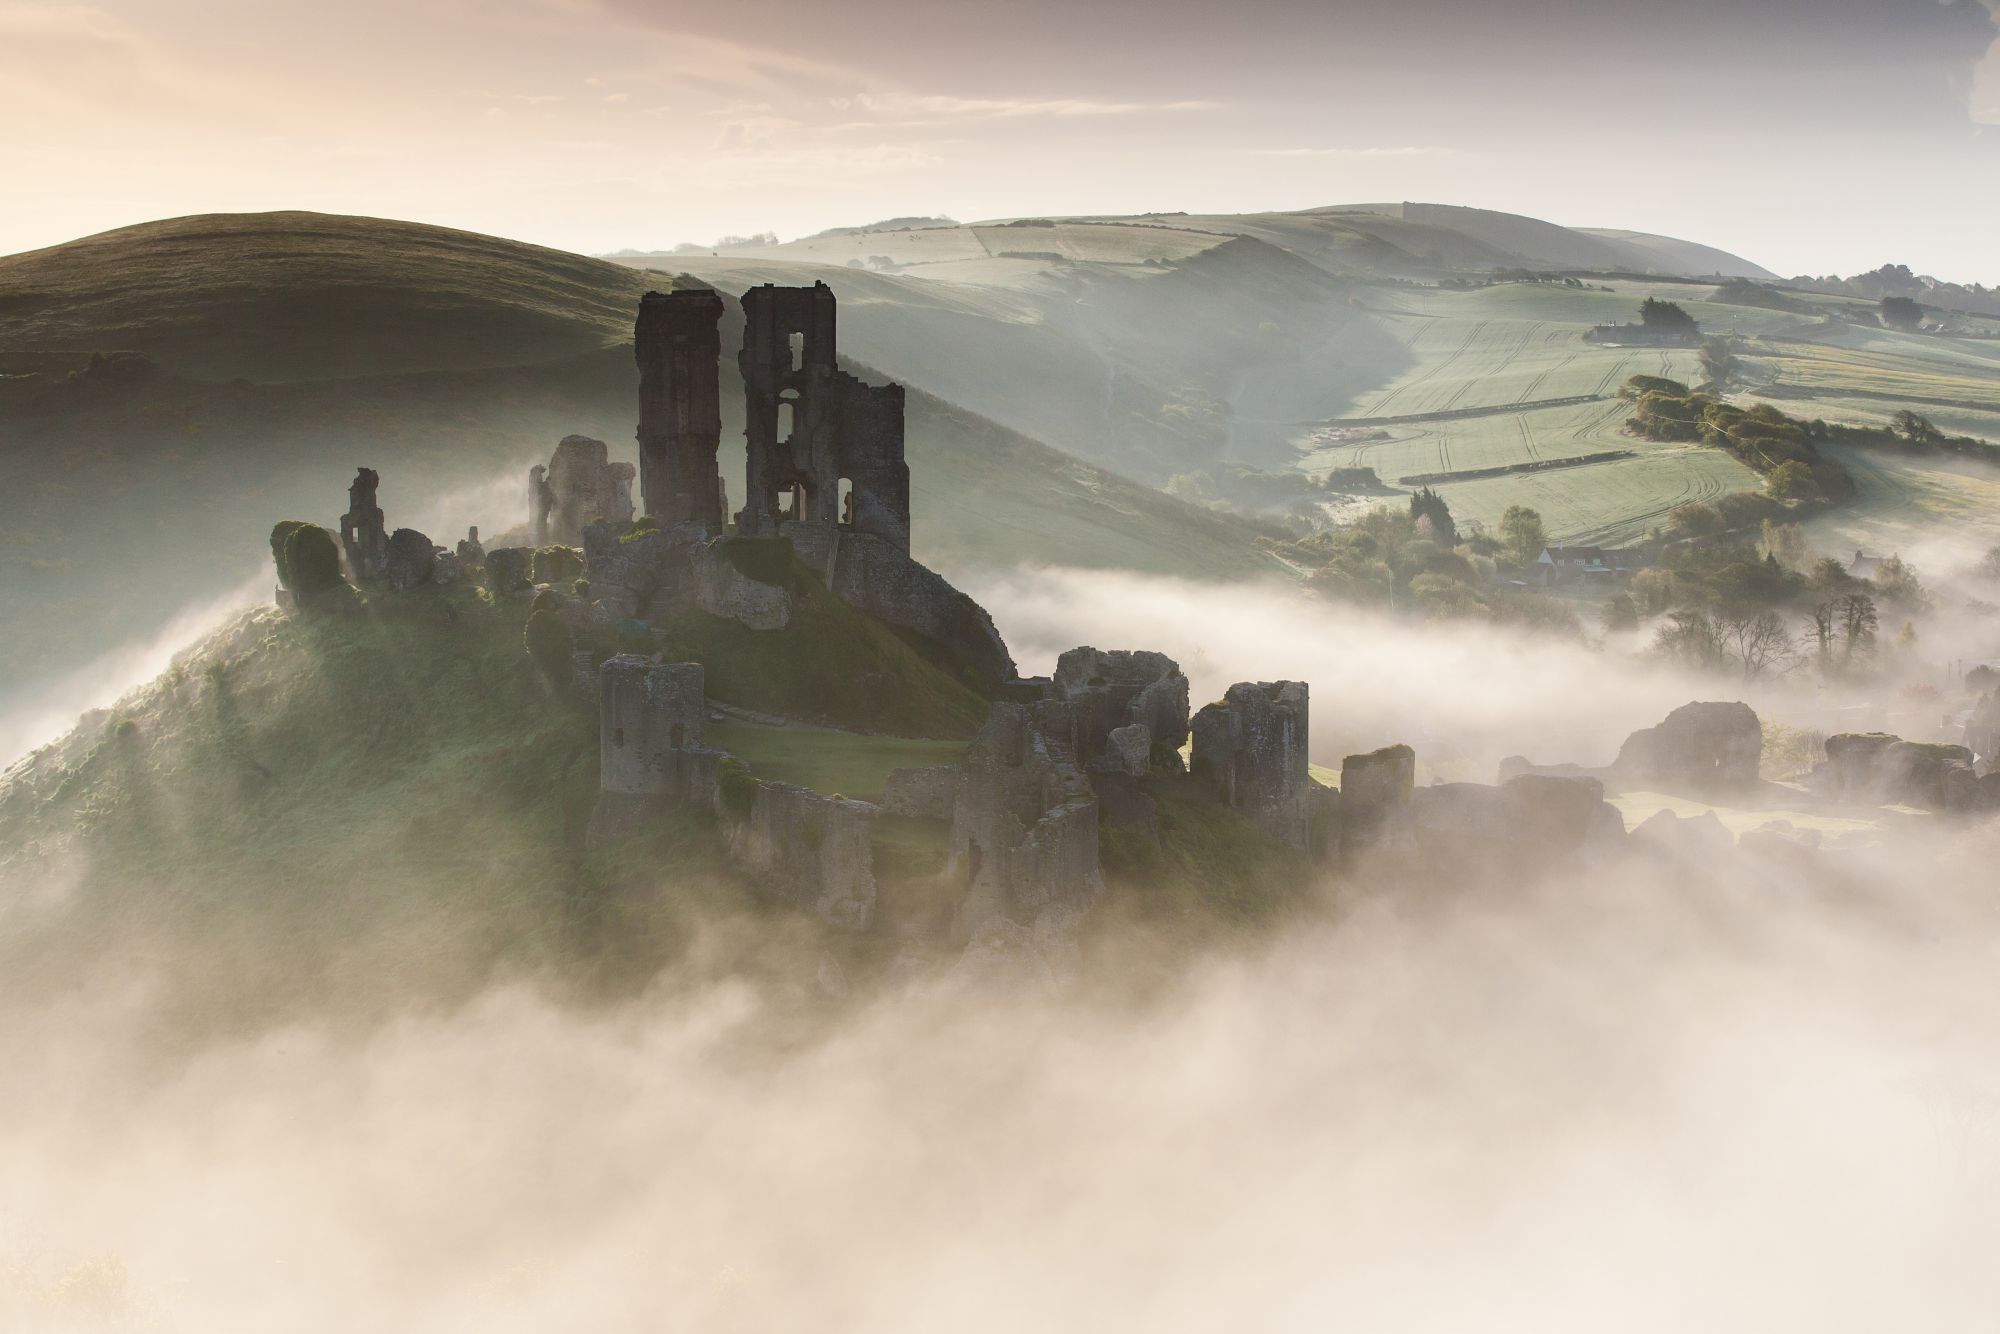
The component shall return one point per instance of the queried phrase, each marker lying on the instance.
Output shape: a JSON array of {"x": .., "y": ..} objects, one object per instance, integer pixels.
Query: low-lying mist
[
  {"x": 1465, "y": 694},
  {"x": 1759, "y": 1091},
  {"x": 1741, "y": 1096}
]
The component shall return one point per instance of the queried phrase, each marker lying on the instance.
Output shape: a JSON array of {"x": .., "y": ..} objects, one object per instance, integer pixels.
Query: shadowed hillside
[{"x": 283, "y": 350}]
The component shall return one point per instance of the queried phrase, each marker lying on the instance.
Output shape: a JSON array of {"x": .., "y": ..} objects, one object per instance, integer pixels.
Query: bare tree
[
  {"x": 1857, "y": 623},
  {"x": 1691, "y": 638},
  {"x": 1820, "y": 626},
  {"x": 1758, "y": 641}
]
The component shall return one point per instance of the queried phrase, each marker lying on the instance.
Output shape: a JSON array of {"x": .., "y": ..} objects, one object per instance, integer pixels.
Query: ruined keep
[
  {"x": 579, "y": 485},
  {"x": 678, "y": 344},
  {"x": 362, "y": 535},
  {"x": 1251, "y": 747},
  {"x": 823, "y": 464},
  {"x": 821, "y": 447}
]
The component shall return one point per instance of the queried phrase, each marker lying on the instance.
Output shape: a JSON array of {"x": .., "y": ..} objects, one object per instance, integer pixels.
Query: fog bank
[{"x": 1740, "y": 1101}]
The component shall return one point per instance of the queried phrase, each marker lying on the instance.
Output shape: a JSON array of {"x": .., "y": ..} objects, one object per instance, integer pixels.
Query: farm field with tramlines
[{"x": 1502, "y": 377}]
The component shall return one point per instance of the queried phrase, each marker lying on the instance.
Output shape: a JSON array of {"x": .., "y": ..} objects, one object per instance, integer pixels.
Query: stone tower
[{"x": 678, "y": 343}]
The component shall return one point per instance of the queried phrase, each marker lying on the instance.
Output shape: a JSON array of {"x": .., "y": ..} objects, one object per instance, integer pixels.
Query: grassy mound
[
  {"x": 1209, "y": 860},
  {"x": 840, "y": 762},
  {"x": 385, "y": 795},
  {"x": 831, "y": 664}
]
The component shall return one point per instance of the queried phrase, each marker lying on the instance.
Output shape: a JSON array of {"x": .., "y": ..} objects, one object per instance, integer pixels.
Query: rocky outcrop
[
  {"x": 1692, "y": 839},
  {"x": 1466, "y": 832},
  {"x": 411, "y": 559},
  {"x": 1982, "y": 732},
  {"x": 1707, "y": 746},
  {"x": 1878, "y": 768},
  {"x": 1024, "y": 822},
  {"x": 1251, "y": 748}
]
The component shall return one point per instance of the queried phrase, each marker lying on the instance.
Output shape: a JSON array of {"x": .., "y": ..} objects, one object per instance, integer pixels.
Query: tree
[
  {"x": 1900, "y": 312},
  {"x": 1819, "y": 625},
  {"x": 1786, "y": 544},
  {"x": 1915, "y": 428},
  {"x": 1691, "y": 639},
  {"x": 1898, "y": 585},
  {"x": 1792, "y": 481},
  {"x": 1718, "y": 363},
  {"x": 1856, "y": 620},
  {"x": 1521, "y": 534},
  {"x": 1666, "y": 317},
  {"x": 1758, "y": 642},
  {"x": 550, "y": 645},
  {"x": 1696, "y": 520},
  {"x": 1428, "y": 504},
  {"x": 1621, "y": 613}
]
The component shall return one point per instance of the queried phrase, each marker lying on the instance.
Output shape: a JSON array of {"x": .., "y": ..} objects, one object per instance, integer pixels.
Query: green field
[{"x": 848, "y": 763}]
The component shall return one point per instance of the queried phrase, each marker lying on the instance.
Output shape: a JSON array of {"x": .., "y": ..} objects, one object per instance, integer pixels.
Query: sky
[{"x": 1812, "y": 136}]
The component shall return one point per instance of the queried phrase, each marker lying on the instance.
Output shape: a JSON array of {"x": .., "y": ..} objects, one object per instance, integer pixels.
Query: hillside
[
  {"x": 308, "y": 296},
  {"x": 286, "y": 349}
]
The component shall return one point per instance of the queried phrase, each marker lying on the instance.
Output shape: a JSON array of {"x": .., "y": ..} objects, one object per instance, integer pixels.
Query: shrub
[
  {"x": 555, "y": 565},
  {"x": 550, "y": 646},
  {"x": 739, "y": 789},
  {"x": 312, "y": 560},
  {"x": 1792, "y": 481},
  {"x": 1640, "y": 385}
]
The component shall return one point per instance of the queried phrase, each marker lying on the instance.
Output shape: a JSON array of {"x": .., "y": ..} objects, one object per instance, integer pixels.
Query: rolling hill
[
  {"x": 283, "y": 350},
  {"x": 1059, "y": 370}
]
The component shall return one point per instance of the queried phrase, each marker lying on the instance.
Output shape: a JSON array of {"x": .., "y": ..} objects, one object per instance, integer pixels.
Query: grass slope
[
  {"x": 294, "y": 347},
  {"x": 310, "y": 296},
  {"x": 388, "y": 792}
]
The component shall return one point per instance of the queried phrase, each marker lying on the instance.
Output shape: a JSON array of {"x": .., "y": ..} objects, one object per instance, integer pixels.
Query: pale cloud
[
  {"x": 1404, "y": 151},
  {"x": 990, "y": 108}
]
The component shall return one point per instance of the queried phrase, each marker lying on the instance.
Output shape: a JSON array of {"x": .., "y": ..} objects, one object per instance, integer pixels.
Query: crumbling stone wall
[
  {"x": 362, "y": 536},
  {"x": 1376, "y": 792},
  {"x": 928, "y": 793},
  {"x": 580, "y": 485},
  {"x": 1251, "y": 747},
  {"x": 1024, "y": 822},
  {"x": 648, "y": 713},
  {"x": 1119, "y": 691},
  {"x": 812, "y": 850}
]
